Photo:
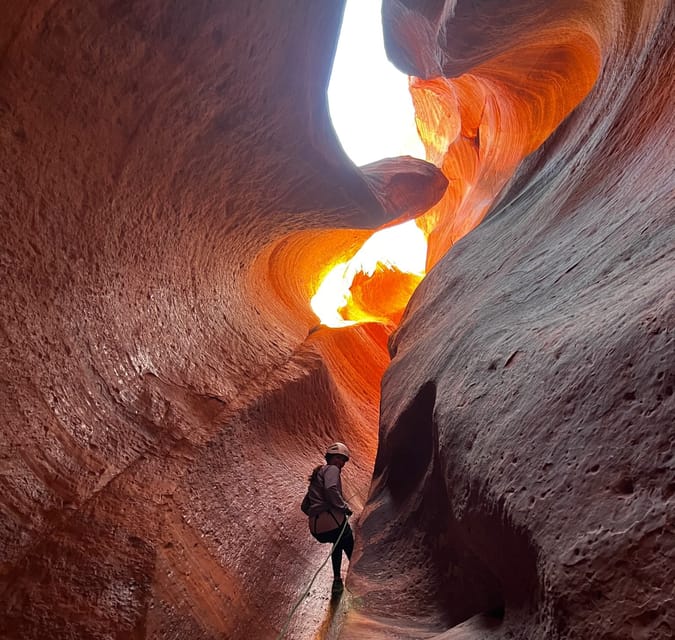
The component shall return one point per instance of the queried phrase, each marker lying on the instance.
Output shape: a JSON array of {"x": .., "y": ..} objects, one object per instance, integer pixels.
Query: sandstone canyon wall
[
  {"x": 534, "y": 367},
  {"x": 171, "y": 191}
]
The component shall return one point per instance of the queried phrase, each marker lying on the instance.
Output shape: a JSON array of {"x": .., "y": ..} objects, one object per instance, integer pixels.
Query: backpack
[{"x": 304, "y": 506}]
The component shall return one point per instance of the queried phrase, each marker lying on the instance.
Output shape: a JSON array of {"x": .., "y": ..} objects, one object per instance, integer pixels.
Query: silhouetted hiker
[{"x": 327, "y": 509}]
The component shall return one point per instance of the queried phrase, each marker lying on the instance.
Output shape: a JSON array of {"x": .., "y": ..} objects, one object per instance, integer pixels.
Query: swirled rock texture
[
  {"x": 172, "y": 190},
  {"x": 524, "y": 481}
]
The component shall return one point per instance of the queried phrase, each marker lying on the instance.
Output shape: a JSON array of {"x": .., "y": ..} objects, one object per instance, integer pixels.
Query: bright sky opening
[
  {"x": 373, "y": 116},
  {"x": 369, "y": 100}
]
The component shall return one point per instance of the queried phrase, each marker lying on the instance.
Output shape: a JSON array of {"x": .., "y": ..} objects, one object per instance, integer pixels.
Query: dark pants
[{"x": 346, "y": 544}]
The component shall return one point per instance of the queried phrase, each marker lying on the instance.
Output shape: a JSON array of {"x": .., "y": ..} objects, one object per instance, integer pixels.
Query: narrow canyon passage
[{"x": 171, "y": 193}]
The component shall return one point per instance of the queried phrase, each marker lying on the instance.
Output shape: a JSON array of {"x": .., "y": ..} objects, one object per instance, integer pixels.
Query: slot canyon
[{"x": 172, "y": 192}]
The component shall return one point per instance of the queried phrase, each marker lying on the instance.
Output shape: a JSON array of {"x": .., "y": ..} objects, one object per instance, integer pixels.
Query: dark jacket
[{"x": 323, "y": 502}]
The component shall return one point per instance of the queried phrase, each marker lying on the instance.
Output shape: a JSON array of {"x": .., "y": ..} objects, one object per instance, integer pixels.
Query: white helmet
[{"x": 339, "y": 449}]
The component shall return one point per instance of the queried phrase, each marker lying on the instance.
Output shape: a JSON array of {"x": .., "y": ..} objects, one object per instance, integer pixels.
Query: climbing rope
[{"x": 305, "y": 593}]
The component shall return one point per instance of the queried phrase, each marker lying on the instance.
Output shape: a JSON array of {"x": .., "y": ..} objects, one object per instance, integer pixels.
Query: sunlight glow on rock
[{"x": 376, "y": 284}]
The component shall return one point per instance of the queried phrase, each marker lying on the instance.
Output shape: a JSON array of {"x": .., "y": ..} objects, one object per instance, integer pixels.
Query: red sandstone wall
[
  {"x": 523, "y": 486},
  {"x": 170, "y": 189}
]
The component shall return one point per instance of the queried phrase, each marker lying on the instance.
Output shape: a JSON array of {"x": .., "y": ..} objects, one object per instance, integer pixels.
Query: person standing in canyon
[{"x": 327, "y": 510}]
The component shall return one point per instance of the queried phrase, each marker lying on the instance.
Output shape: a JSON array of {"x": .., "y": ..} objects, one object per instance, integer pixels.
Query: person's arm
[{"x": 332, "y": 488}]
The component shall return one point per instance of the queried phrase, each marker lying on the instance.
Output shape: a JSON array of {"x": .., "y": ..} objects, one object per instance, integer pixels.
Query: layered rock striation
[
  {"x": 172, "y": 190},
  {"x": 523, "y": 486}
]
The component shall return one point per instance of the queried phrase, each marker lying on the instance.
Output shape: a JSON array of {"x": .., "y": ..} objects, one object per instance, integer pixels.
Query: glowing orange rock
[
  {"x": 478, "y": 127},
  {"x": 520, "y": 488},
  {"x": 380, "y": 297}
]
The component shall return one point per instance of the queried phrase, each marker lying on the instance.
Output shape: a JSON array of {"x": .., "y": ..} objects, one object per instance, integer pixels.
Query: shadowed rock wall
[{"x": 523, "y": 486}]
